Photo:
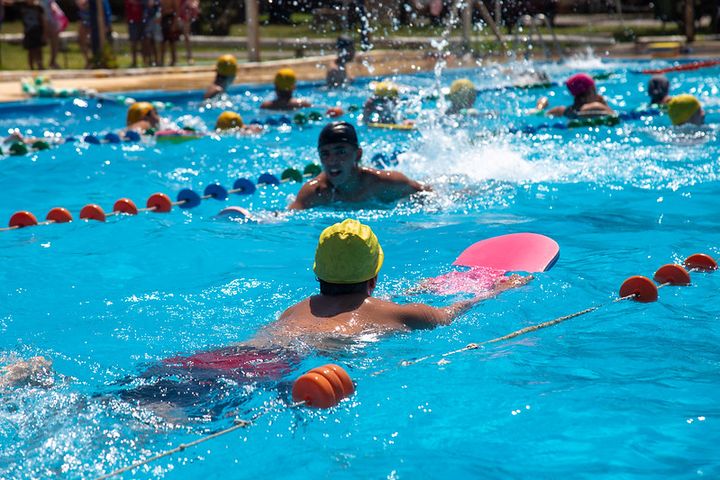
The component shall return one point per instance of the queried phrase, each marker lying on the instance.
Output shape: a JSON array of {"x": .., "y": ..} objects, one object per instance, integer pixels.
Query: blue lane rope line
[
  {"x": 161, "y": 203},
  {"x": 638, "y": 288},
  {"x": 606, "y": 120}
]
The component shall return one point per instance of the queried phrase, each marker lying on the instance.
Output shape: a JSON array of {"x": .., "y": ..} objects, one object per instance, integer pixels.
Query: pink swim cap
[{"x": 579, "y": 83}]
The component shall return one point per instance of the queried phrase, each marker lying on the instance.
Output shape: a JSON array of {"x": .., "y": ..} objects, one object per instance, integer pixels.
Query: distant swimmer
[
  {"x": 588, "y": 103},
  {"x": 142, "y": 116},
  {"x": 285, "y": 80},
  {"x": 382, "y": 106},
  {"x": 337, "y": 76},
  {"x": 462, "y": 98},
  {"x": 344, "y": 180},
  {"x": 659, "y": 90},
  {"x": 686, "y": 109},
  {"x": 225, "y": 71},
  {"x": 229, "y": 122}
]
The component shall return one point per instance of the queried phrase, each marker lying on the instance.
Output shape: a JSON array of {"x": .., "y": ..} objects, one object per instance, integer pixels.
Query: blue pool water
[{"x": 630, "y": 391}]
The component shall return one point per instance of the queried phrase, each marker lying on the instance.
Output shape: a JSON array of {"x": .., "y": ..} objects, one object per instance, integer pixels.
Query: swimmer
[
  {"x": 658, "y": 90},
  {"x": 285, "y": 80},
  {"x": 344, "y": 180},
  {"x": 348, "y": 259},
  {"x": 588, "y": 103},
  {"x": 225, "y": 71},
  {"x": 142, "y": 116},
  {"x": 686, "y": 109},
  {"x": 337, "y": 76},
  {"x": 229, "y": 122},
  {"x": 462, "y": 98},
  {"x": 34, "y": 372},
  {"x": 382, "y": 106}
]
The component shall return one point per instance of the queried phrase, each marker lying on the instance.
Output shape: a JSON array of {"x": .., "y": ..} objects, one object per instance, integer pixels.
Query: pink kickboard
[
  {"x": 476, "y": 280},
  {"x": 517, "y": 252}
]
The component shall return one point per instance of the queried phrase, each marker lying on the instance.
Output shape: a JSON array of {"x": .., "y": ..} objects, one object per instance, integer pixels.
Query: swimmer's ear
[
  {"x": 372, "y": 283},
  {"x": 358, "y": 155}
]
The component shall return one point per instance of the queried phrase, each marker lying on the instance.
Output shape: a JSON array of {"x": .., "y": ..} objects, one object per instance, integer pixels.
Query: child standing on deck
[
  {"x": 33, "y": 19},
  {"x": 169, "y": 10}
]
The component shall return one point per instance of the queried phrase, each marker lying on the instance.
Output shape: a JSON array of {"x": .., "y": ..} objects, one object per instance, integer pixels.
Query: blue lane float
[
  {"x": 216, "y": 191},
  {"x": 604, "y": 121}
]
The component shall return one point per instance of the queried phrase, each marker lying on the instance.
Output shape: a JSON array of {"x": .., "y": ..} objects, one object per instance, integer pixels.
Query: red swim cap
[{"x": 579, "y": 83}]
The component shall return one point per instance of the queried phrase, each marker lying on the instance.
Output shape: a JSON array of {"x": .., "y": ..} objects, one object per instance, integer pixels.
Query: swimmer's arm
[
  {"x": 556, "y": 112},
  {"x": 418, "y": 315},
  {"x": 306, "y": 198},
  {"x": 212, "y": 91},
  {"x": 396, "y": 185},
  {"x": 596, "y": 108}
]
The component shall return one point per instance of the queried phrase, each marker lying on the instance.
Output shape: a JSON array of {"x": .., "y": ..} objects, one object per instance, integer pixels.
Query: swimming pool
[{"x": 629, "y": 391}]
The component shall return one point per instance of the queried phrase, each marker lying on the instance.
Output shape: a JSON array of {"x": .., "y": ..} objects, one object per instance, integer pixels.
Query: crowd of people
[{"x": 154, "y": 28}]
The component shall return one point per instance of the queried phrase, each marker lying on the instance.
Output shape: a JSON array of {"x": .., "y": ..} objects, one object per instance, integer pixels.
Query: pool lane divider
[
  {"x": 326, "y": 386},
  {"x": 638, "y": 288},
  {"x": 606, "y": 120},
  {"x": 161, "y": 203},
  {"x": 322, "y": 387},
  {"x": 682, "y": 68}
]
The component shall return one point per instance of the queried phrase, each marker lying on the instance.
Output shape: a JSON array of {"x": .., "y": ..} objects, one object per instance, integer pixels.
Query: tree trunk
[{"x": 690, "y": 20}]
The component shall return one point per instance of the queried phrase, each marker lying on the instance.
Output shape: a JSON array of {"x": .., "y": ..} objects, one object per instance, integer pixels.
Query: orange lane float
[
  {"x": 22, "y": 219},
  {"x": 93, "y": 212},
  {"x": 59, "y": 215},
  {"x": 640, "y": 288},
  {"x": 672, "y": 274},
  {"x": 323, "y": 387},
  {"x": 701, "y": 262}
]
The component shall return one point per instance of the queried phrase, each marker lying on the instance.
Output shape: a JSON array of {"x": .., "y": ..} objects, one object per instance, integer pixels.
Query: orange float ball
[
  {"x": 59, "y": 215},
  {"x": 348, "y": 386},
  {"x": 701, "y": 262},
  {"x": 92, "y": 212},
  {"x": 125, "y": 205},
  {"x": 642, "y": 288},
  {"x": 160, "y": 202},
  {"x": 672, "y": 274},
  {"x": 334, "y": 112},
  {"x": 334, "y": 380},
  {"x": 315, "y": 390},
  {"x": 22, "y": 219}
]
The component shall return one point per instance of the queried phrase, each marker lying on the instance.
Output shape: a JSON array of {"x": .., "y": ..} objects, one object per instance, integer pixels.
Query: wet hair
[
  {"x": 333, "y": 289},
  {"x": 338, "y": 132},
  {"x": 658, "y": 88}
]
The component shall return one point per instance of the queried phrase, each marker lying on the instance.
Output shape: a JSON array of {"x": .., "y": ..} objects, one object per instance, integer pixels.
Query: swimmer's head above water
[{"x": 684, "y": 109}]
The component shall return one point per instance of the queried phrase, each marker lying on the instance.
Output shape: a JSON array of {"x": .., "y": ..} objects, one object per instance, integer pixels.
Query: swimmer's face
[
  {"x": 339, "y": 161},
  {"x": 153, "y": 118}
]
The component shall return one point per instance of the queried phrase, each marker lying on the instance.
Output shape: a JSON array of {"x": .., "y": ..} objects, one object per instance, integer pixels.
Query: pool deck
[{"x": 375, "y": 63}]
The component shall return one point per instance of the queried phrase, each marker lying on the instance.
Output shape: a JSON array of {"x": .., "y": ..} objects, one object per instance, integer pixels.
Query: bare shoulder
[
  {"x": 393, "y": 181},
  {"x": 315, "y": 192}
]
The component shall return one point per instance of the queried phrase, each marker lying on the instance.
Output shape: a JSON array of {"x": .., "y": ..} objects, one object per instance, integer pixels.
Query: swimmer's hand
[
  {"x": 542, "y": 104},
  {"x": 513, "y": 281},
  {"x": 36, "y": 372}
]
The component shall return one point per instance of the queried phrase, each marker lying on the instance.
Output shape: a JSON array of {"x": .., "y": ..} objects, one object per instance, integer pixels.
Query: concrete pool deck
[{"x": 375, "y": 63}]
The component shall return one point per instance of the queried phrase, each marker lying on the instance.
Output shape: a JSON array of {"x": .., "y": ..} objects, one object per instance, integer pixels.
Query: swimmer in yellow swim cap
[
  {"x": 382, "y": 106},
  {"x": 462, "y": 97},
  {"x": 685, "y": 109},
  {"x": 348, "y": 259},
  {"x": 343, "y": 179},
  {"x": 225, "y": 71},
  {"x": 142, "y": 116},
  {"x": 285, "y": 80},
  {"x": 233, "y": 122}
]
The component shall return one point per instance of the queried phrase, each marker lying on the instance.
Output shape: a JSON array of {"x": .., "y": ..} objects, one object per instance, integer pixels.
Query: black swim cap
[
  {"x": 658, "y": 87},
  {"x": 338, "y": 132}
]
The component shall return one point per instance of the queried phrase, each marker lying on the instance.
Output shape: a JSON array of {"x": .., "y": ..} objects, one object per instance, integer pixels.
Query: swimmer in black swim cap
[
  {"x": 338, "y": 132},
  {"x": 344, "y": 180},
  {"x": 659, "y": 90}
]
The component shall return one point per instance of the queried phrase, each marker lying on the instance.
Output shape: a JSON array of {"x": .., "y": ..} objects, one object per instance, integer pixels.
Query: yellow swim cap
[
  {"x": 226, "y": 65},
  {"x": 348, "y": 252},
  {"x": 386, "y": 89},
  {"x": 228, "y": 120},
  {"x": 682, "y": 107},
  {"x": 138, "y": 111},
  {"x": 285, "y": 79},
  {"x": 462, "y": 93}
]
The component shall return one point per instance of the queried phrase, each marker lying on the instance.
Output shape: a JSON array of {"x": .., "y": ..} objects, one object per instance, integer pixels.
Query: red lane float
[
  {"x": 93, "y": 212},
  {"x": 701, "y": 262},
  {"x": 59, "y": 215},
  {"x": 159, "y": 202},
  {"x": 22, "y": 219},
  {"x": 672, "y": 274},
  {"x": 125, "y": 205},
  {"x": 641, "y": 288},
  {"x": 683, "y": 68},
  {"x": 323, "y": 387}
]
